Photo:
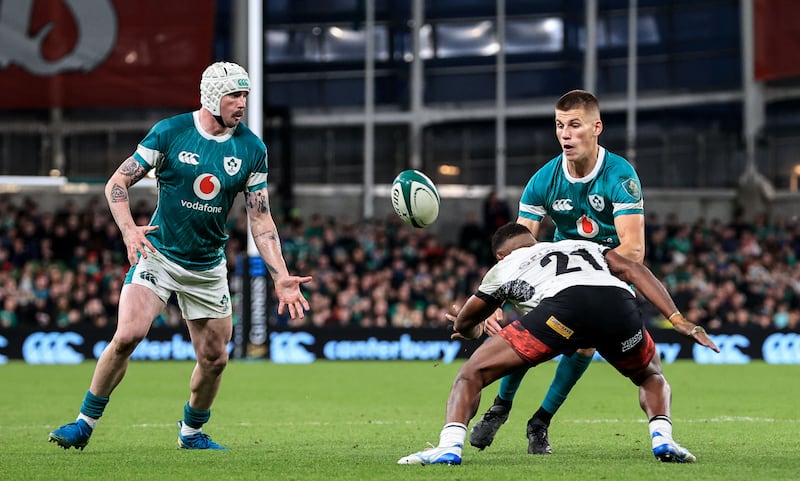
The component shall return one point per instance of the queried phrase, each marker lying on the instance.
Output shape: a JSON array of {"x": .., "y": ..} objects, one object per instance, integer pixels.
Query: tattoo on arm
[
  {"x": 257, "y": 200},
  {"x": 258, "y": 203},
  {"x": 271, "y": 235},
  {"x": 268, "y": 236},
  {"x": 118, "y": 194},
  {"x": 131, "y": 168}
]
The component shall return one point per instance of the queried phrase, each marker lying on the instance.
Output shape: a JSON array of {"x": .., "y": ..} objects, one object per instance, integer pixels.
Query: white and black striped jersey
[{"x": 530, "y": 274}]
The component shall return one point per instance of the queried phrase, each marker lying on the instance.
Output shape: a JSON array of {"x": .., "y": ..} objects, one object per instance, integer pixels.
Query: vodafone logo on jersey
[
  {"x": 587, "y": 227},
  {"x": 206, "y": 186}
]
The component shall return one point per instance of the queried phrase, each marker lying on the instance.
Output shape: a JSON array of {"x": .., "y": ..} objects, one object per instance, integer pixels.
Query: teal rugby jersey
[
  {"x": 199, "y": 176},
  {"x": 584, "y": 208}
]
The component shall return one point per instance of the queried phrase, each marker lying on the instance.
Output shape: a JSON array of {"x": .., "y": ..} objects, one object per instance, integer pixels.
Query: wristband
[{"x": 676, "y": 313}]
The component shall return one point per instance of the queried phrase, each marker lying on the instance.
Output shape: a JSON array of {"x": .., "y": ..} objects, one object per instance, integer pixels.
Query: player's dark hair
[
  {"x": 505, "y": 232},
  {"x": 578, "y": 99}
]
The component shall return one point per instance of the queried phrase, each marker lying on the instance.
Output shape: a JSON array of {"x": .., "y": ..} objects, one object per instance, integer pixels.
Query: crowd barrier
[{"x": 737, "y": 345}]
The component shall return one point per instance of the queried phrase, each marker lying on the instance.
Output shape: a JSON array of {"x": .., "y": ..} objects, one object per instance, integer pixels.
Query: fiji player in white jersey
[
  {"x": 573, "y": 296},
  {"x": 202, "y": 161},
  {"x": 591, "y": 194}
]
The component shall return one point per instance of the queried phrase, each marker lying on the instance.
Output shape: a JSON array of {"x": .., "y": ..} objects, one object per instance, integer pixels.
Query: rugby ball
[{"x": 415, "y": 199}]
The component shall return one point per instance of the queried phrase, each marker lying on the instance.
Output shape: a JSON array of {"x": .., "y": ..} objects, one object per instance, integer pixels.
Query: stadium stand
[{"x": 64, "y": 267}]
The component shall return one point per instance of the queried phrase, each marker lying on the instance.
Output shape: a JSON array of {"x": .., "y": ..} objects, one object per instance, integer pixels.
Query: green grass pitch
[{"x": 353, "y": 420}]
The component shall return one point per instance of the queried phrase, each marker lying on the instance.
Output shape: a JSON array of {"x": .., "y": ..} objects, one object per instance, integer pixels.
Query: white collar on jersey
[
  {"x": 601, "y": 156},
  {"x": 206, "y": 135}
]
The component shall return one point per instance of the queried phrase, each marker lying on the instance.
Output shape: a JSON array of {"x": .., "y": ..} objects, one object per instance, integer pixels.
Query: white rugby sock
[
  {"x": 453, "y": 434},
  {"x": 92, "y": 422},
  {"x": 662, "y": 425},
  {"x": 187, "y": 430}
]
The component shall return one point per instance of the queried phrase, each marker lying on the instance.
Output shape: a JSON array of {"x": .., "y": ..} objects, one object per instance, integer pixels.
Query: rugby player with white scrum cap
[{"x": 202, "y": 161}]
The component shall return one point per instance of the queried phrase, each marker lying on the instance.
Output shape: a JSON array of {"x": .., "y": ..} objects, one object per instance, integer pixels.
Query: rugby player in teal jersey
[
  {"x": 202, "y": 161},
  {"x": 590, "y": 194}
]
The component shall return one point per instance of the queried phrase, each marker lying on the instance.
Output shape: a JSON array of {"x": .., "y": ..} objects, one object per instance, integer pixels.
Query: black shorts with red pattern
[{"x": 606, "y": 318}]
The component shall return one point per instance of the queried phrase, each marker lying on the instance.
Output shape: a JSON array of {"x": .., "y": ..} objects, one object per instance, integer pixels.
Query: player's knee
[
  {"x": 650, "y": 371},
  {"x": 213, "y": 362},
  {"x": 125, "y": 343},
  {"x": 472, "y": 373}
]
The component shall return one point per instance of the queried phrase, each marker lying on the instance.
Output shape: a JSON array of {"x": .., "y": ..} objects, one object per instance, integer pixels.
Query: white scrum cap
[{"x": 220, "y": 79}]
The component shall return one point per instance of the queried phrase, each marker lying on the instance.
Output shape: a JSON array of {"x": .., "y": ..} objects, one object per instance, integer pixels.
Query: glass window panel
[
  {"x": 316, "y": 7},
  {"x": 540, "y": 80},
  {"x": 459, "y": 8},
  {"x": 617, "y": 32},
  {"x": 318, "y": 44},
  {"x": 293, "y": 46},
  {"x": 426, "y": 41},
  {"x": 459, "y": 87},
  {"x": 601, "y": 30},
  {"x": 473, "y": 39},
  {"x": 648, "y": 33},
  {"x": 654, "y": 74},
  {"x": 693, "y": 24},
  {"x": 534, "y": 35},
  {"x": 613, "y": 31},
  {"x": 647, "y": 30},
  {"x": 275, "y": 7},
  {"x": 341, "y": 44},
  {"x": 403, "y": 43}
]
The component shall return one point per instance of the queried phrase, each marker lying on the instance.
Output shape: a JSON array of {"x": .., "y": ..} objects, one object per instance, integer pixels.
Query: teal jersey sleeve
[
  {"x": 199, "y": 177},
  {"x": 533, "y": 202},
  {"x": 623, "y": 186}
]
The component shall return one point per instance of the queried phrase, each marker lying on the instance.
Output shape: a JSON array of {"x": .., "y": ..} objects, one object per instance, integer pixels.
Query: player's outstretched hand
[
  {"x": 290, "y": 297},
  {"x": 692, "y": 330},
  {"x": 700, "y": 336}
]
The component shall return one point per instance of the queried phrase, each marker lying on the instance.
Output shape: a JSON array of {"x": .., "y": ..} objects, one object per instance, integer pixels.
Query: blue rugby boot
[
  {"x": 447, "y": 455},
  {"x": 667, "y": 450},
  {"x": 197, "y": 441},
  {"x": 73, "y": 435}
]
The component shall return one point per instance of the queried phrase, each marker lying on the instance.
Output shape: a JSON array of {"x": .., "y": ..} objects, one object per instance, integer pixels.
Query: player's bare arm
[
  {"x": 265, "y": 232},
  {"x": 651, "y": 288},
  {"x": 135, "y": 237},
  {"x": 630, "y": 230},
  {"x": 532, "y": 225},
  {"x": 495, "y": 321},
  {"x": 267, "y": 241},
  {"x": 468, "y": 323}
]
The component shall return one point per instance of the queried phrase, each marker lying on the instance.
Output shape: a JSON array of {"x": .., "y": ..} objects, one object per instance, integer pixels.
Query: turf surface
[{"x": 353, "y": 420}]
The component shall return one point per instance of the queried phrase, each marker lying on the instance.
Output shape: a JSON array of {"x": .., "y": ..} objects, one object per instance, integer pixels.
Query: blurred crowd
[{"x": 66, "y": 266}]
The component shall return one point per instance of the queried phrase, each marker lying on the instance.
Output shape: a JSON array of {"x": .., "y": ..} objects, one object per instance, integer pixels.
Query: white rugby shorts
[{"x": 200, "y": 294}]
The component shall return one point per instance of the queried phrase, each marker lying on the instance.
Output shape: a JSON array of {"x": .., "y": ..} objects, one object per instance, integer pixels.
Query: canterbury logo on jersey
[
  {"x": 562, "y": 205},
  {"x": 188, "y": 158}
]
